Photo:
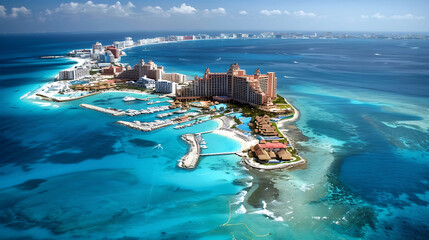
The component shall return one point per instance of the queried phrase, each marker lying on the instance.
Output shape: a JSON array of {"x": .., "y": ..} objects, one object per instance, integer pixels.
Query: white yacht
[{"x": 128, "y": 99}]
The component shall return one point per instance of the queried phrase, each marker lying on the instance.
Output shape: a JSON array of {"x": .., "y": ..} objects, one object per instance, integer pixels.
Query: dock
[
  {"x": 145, "y": 128},
  {"x": 190, "y": 159},
  {"x": 113, "y": 112}
]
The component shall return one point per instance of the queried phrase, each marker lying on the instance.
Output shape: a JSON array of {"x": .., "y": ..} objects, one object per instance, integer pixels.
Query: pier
[
  {"x": 190, "y": 160},
  {"x": 113, "y": 112}
]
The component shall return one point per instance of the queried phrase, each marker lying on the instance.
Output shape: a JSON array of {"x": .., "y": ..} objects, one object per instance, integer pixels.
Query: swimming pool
[
  {"x": 244, "y": 120},
  {"x": 218, "y": 106},
  {"x": 79, "y": 82}
]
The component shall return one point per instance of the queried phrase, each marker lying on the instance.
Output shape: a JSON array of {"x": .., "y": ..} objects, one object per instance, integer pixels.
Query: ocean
[{"x": 72, "y": 173}]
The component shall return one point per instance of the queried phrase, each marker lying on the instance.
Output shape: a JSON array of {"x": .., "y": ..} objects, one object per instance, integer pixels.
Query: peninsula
[{"x": 246, "y": 106}]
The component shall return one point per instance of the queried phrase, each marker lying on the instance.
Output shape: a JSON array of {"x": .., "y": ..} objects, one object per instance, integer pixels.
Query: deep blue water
[{"x": 68, "y": 172}]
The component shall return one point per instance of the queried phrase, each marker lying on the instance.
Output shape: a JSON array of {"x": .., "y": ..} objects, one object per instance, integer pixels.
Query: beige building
[{"x": 234, "y": 85}]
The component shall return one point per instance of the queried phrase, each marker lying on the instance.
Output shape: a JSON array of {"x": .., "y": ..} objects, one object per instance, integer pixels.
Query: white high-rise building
[
  {"x": 97, "y": 48},
  {"x": 129, "y": 42},
  {"x": 166, "y": 87},
  {"x": 119, "y": 44},
  {"x": 77, "y": 72}
]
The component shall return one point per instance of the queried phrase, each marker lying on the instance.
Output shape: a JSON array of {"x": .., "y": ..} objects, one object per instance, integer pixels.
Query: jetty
[
  {"x": 190, "y": 159},
  {"x": 111, "y": 111},
  {"x": 147, "y": 127}
]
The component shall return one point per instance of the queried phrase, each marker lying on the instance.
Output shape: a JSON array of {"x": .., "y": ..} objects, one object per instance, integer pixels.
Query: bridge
[{"x": 215, "y": 154}]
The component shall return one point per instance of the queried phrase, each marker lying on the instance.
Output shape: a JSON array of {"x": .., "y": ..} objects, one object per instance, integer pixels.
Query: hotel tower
[{"x": 234, "y": 85}]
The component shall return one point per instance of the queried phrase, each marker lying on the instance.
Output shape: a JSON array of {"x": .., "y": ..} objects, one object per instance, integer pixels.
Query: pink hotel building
[{"x": 234, "y": 85}]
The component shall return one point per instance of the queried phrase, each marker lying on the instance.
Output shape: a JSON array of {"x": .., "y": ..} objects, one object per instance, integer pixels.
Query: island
[{"x": 246, "y": 107}]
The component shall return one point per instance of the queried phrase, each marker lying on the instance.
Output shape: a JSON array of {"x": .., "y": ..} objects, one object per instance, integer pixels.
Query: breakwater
[
  {"x": 190, "y": 159},
  {"x": 113, "y": 112}
]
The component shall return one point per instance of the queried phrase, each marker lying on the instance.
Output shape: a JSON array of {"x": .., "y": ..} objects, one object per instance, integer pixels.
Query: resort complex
[{"x": 246, "y": 107}]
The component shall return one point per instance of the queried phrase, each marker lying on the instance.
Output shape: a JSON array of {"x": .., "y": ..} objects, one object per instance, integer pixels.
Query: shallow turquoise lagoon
[{"x": 218, "y": 144}]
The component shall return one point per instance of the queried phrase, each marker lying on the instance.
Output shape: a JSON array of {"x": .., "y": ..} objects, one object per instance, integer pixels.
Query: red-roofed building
[
  {"x": 264, "y": 152},
  {"x": 116, "y": 52},
  {"x": 272, "y": 146}
]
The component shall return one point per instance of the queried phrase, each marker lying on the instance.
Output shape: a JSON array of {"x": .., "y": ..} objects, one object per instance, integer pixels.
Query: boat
[
  {"x": 181, "y": 111},
  {"x": 203, "y": 146},
  {"x": 128, "y": 99}
]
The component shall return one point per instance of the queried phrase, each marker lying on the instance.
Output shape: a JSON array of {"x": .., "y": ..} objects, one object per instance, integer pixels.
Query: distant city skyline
[{"x": 196, "y": 15}]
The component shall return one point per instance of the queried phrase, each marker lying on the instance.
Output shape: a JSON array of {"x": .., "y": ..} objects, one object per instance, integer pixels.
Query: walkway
[{"x": 220, "y": 153}]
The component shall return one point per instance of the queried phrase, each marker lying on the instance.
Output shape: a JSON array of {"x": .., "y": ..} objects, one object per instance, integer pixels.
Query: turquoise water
[
  {"x": 217, "y": 144},
  {"x": 71, "y": 173},
  {"x": 244, "y": 126},
  {"x": 245, "y": 120}
]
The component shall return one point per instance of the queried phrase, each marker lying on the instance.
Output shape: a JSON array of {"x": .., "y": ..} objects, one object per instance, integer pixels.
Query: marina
[
  {"x": 157, "y": 124},
  {"x": 149, "y": 110},
  {"x": 147, "y": 126},
  {"x": 129, "y": 112},
  {"x": 197, "y": 121}
]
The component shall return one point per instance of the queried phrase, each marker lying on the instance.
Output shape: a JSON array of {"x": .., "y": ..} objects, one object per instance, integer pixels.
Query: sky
[{"x": 26, "y": 16}]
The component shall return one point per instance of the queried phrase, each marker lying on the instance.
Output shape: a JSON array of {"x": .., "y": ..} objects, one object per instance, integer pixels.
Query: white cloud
[
  {"x": 301, "y": 13},
  {"x": 243, "y": 12},
  {"x": 15, "y": 12},
  {"x": 378, "y": 16},
  {"x": 220, "y": 11},
  {"x": 3, "y": 13},
  {"x": 286, "y": 12},
  {"x": 154, "y": 10},
  {"x": 101, "y": 9},
  {"x": 183, "y": 9},
  {"x": 407, "y": 16},
  {"x": 270, "y": 12},
  {"x": 215, "y": 11}
]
